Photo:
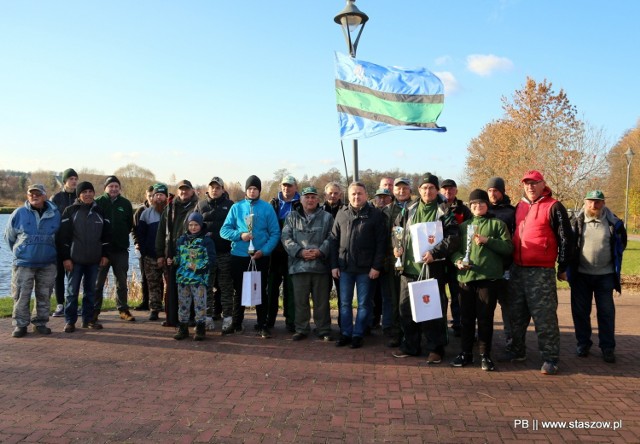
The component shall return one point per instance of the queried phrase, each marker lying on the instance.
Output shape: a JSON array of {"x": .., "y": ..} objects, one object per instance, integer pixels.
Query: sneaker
[
  {"x": 549, "y": 368},
  {"x": 343, "y": 340},
  {"x": 125, "y": 315},
  {"x": 400, "y": 354},
  {"x": 582, "y": 351},
  {"x": 93, "y": 325},
  {"x": 59, "y": 312},
  {"x": 608, "y": 355},
  {"x": 42, "y": 329},
  {"x": 226, "y": 323},
  {"x": 462, "y": 359},
  {"x": 69, "y": 328},
  {"x": 298, "y": 337},
  {"x": 356, "y": 342},
  {"x": 487, "y": 363},
  {"x": 434, "y": 358},
  {"x": 512, "y": 357},
  {"x": 19, "y": 332},
  {"x": 265, "y": 333},
  {"x": 153, "y": 316}
]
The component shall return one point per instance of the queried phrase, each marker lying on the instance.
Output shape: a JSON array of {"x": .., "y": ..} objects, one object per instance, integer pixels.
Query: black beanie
[
  {"x": 83, "y": 186},
  {"x": 253, "y": 181},
  {"x": 110, "y": 180},
  {"x": 69, "y": 172},
  {"x": 479, "y": 194},
  {"x": 430, "y": 178},
  {"x": 497, "y": 183}
]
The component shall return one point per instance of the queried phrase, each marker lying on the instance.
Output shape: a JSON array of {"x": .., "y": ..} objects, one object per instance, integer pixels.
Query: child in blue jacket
[{"x": 195, "y": 258}]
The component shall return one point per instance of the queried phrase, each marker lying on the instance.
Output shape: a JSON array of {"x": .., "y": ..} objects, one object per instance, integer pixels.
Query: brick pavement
[{"x": 131, "y": 382}]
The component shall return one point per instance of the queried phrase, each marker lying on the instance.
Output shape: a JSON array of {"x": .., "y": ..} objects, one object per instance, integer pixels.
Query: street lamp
[
  {"x": 629, "y": 155},
  {"x": 352, "y": 21}
]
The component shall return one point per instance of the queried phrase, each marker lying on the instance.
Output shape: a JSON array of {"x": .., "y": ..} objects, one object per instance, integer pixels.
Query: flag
[{"x": 373, "y": 99}]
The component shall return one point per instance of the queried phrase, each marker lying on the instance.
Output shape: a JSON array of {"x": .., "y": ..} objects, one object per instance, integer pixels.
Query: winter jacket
[
  {"x": 84, "y": 235},
  {"x": 196, "y": 249},
  {"x": 506, "y": 212},
  {"x": 449, "y": 243},
  {"x": 214, "y": 212},
  {"x": 486, "y": 259},
  {"x": 542, "y": 234},
  {"x": 460, "y": 211},
  {"x": 136, "y": 220},
  {"x": 618, "y": 244},
  {"x": 32, "y": 236},
  {"x": 64, "y": 199},
  {"x": 266, "y": 231},
  {"x": 173, "y": 225},
  {"x": 146, "y": 232},
  {"x": 120, "y": 214},
  {"x": 358, "y": 240},
  {"x": 332, "y": 209},
  {"x": 282, "y": 209},
  {"x": 301, "y": 232}
]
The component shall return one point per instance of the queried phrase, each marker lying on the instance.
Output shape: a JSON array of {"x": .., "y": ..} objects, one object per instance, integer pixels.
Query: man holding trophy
[
  {"x": 479, "y": 261},
  {"x": 252, "y": 227},
  {"x": 429, "y": 208}
]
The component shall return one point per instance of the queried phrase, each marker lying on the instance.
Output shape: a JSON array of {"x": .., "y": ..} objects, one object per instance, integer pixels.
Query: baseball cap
[
  {"x": 289, "y": 180},
  {"x": 184, "y": 183},
  {"x": 216, "y": 179},
  {"x": 37, "y": 187},
  {"x": 594, "y": 195},
  {"x": 533, "y": 175},
  {"x": 403, "y": 180},
  {"x": 309, "y": 190},
  {"x": 383, "y": 192},
  {"x": 448, "y": 183}
]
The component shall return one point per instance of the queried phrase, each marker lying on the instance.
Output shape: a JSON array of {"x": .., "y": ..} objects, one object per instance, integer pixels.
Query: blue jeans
[
  {"x": 363, "y": 284},
  {"x": 89, "y": 272},
  {"x": 584, "y": 287}
]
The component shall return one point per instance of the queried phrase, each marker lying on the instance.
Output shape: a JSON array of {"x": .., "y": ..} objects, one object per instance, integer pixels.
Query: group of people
[{"x": 194, "y": 255}]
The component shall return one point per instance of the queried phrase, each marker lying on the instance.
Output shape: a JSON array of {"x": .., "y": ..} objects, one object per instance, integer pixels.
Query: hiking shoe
[
  {"x": 549, "y": 368},
  {"x": 232, "y": 329},
  {"x": 298, "y": 337},
  {"x": 264, "y": 333},
  {"x": 512, "y": 357},
  {"x": 182, "y": 333},
  {"x": 69, "y": 328},
  {"x": 19, "y": 332},
  {"x": 343, "y": 340},
  {"x": 487, "y": 363},
  {"x": 608, "y": 355},
  {"x": 462, "y": 359},
  {"x": 93, "y": 325},
  {"x": 400, "y": 354},
  {"x": 200, "y": 332},
  {"x": 434, "y": 358},
  {"x": 59, "y": 312},
  {"x": 42, "y": 329},
  {"x": 142, "y": 307},
  {"x": 125, "y": 315},
  {"x": 582, "y": 351},
  {"x": 153, "y": 316},
  {"x": 356, "y": 342}
]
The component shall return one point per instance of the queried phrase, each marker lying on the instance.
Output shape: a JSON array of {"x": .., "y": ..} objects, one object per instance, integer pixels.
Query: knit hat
[
  {"x": 195, "y": 217},
  {"x": 497, "y": 183},
  {"x": 111, "y": 179},
  {"x": 477, "y": 195},
  {"x": 533, "y": 175},
  {"x": 253, "y": 181},
  {"x": 430, "y": 178},
  {"x": 69, "y": 172},
  {"x": 449, "y": 183},
  {"x": 83, "y": 186},
  {"x": 160, "y": 188}
]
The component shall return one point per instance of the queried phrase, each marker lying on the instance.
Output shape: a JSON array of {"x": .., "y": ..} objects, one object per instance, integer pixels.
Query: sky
[{"x": 196, "y": 89}]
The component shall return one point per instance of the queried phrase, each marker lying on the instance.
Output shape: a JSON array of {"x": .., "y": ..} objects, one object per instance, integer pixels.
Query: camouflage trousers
[
  {"x": 155, "y": 282},
  {"x": 23, "y": 280},
  {"x": 534, "y": 295}
]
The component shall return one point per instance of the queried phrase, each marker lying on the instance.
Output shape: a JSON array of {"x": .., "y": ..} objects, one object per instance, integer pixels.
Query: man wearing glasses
[
  {"x": 31, "y": 233},
  {"x": 542, "y": 235}
]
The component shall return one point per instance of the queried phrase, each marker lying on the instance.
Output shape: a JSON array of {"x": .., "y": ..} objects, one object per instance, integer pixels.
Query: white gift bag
[
  {"x": 251, "y": 286},
  {"x": 425, "y": 236},
  {"x": 424, "y": 296}
]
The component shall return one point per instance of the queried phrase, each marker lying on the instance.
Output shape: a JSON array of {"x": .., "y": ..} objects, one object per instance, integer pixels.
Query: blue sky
[{"x": 204, "y": 88}]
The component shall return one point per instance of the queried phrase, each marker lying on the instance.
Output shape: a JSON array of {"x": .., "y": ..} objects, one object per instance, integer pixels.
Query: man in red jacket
[{"x": 542, "y": 235}]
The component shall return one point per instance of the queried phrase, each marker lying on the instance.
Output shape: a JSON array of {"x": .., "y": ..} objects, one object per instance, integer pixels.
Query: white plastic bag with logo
[{"x": 424, "y": 296}]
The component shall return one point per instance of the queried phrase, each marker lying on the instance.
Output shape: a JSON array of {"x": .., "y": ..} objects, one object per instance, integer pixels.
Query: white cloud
[
  {"x": 443, "y": 60},
  {"x": 400, "y": 154},
  {"x": 119, "y": 155},
  {"x": 485, "y": 65},
  {"x": 451, "y": 85}
]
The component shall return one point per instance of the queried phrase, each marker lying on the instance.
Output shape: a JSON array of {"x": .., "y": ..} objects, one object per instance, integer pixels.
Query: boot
[
  {"x": 183, "y": 331},
  {"x": 96, "y": 313},
  {"x": 200, "y": 332}
]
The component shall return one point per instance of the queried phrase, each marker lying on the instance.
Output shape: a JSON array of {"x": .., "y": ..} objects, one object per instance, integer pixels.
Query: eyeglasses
[
  {"x": 532, "y": 183},
  {"x": 36, "y": 194}
]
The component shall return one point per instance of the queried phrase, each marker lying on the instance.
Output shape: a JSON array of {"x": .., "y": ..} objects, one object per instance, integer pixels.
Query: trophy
[
  {"x": 471, "y": 231},
  {"x": 397, "y": 236},
  {"x": 249, "y": 221}
]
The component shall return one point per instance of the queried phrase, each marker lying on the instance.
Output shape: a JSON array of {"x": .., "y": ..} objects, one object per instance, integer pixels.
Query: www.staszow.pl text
[{"x": 534, "y": 424}]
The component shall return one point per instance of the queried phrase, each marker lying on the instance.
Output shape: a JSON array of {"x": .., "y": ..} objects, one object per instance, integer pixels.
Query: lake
[{"x": 6, "y": 259}]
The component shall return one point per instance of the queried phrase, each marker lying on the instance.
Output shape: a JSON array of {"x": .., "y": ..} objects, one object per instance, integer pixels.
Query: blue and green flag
[{"x": 373, "y": 99}]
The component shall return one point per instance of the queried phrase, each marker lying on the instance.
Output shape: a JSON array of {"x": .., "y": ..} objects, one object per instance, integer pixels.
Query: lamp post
[
  {"x": 352, "y": 21},
  {"x": 629, "y": 155}
]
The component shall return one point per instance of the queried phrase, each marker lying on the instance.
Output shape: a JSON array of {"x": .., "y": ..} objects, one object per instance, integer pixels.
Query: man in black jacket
[
  {"x": 357, "y": 255},
  {"x": 214, "y": 209}
]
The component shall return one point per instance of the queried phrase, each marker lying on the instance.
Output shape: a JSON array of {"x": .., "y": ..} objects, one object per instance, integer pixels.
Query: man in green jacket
[{"x": 120, "y": 213}]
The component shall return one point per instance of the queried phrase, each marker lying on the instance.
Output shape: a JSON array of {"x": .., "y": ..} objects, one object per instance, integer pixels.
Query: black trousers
[
  {"x": 240, "y": 264},
  {"x": 478, "y": 302}
]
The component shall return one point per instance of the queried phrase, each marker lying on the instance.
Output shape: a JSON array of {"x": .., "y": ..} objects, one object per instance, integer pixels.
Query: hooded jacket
[
  {"x": 84, "y": 235},
  {"x": 266, "y": 231},
  {"x": 120, "y": 213},
  {"x": 173, "y": 224},
  {"x": 214, "y": 212},
  {"x": 31, "y": 236},
  {"x": 300, "y": 232},
  {"x": 196, "y": 249}
]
